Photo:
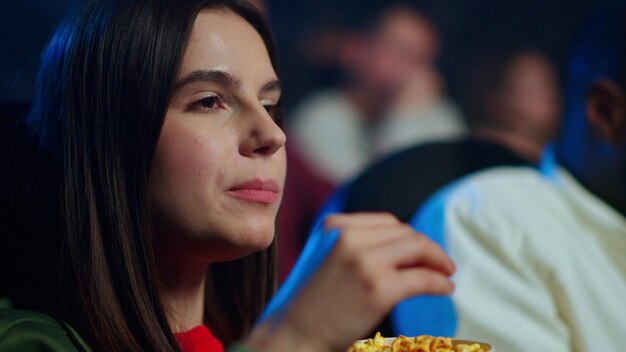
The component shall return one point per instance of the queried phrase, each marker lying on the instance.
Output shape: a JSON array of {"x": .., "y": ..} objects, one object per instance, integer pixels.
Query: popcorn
[{"x": 422, "y": 343}]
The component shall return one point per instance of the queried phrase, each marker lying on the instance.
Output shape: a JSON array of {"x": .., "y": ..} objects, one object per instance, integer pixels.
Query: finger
[
  {"x": 367, "y": 239},
  {"x": 415, "y": 251},
  {"x": 421, "y": 281},
  {"x": 393, "y": 288},
  {"x": 359, "y": 220}
]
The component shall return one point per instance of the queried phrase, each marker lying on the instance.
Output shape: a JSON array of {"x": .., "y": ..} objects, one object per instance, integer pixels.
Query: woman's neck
[{"x": 182, "y": 293}]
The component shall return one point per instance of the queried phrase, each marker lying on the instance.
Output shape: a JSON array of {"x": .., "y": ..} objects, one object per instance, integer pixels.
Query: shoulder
[
  {"x": 509, "y": 205},
  {"x": 503, "y": 189},
  {"x": 31, "y": 331}
]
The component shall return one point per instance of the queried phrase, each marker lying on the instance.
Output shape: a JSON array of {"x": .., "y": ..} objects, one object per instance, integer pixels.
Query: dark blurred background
[
  {"x": 465, "y": 27},
  {"x": 502, "y": 97}
]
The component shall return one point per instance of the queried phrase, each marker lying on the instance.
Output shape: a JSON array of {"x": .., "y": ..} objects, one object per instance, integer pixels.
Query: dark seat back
[{"x": 29, "y": 207}]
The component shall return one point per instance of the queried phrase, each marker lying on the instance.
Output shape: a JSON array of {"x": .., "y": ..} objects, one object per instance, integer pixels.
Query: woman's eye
[{"x": 207, "y": 104}]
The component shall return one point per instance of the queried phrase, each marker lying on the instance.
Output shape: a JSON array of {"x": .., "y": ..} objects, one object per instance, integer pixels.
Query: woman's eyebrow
[{"x": 222, "y": 78}]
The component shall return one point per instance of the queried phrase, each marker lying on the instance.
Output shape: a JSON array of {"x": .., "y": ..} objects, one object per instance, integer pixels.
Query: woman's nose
[{"x": 265, "y": 136}]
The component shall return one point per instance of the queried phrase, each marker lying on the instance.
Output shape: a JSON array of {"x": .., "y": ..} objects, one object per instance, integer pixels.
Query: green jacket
[
  {"x": 22, "y": 330},
  {"x": 30, "y": 331}
]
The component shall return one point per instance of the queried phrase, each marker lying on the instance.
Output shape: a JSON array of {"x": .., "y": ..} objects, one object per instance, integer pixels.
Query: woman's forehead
[{"x": 223, "y": 40}]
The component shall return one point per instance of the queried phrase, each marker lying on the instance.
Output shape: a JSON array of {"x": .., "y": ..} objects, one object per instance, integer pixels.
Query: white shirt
[
  {"x": 541, "y": 263},
  {"x": 339, "y": 143}
]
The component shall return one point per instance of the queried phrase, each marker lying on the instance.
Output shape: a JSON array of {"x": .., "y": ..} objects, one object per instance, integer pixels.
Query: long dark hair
[{"x": 102, "y": 94}]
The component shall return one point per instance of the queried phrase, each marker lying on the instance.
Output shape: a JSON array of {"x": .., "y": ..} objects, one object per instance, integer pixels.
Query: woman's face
[{"x": 219, "y": 167}]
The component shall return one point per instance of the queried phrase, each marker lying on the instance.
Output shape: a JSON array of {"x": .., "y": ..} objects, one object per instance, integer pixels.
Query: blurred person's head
[
  {"x": 515, "y": 92},
  {"x": 530, "y": 99},
  {"x": 379, "y": 57},
  {"x": 593, "y": 138}
]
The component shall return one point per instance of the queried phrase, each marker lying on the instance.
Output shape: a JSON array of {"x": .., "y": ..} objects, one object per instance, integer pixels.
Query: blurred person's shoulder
[
  {"x": 522, "y": 203},
  {"x": 519, "y": 201},
  {"x": 501, "y": 186}
]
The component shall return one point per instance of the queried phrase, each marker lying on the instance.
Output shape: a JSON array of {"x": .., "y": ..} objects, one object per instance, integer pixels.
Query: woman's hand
[{"x": 377, "y": 262}]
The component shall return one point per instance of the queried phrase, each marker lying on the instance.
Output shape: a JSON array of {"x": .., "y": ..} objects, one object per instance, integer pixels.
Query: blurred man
[
  {"x": 393, "y": 97},
  {"x": 541, "y": 253}
]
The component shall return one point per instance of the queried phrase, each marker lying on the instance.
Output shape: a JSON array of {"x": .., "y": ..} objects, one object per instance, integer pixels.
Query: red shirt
[{"x": 198, "y": 339}]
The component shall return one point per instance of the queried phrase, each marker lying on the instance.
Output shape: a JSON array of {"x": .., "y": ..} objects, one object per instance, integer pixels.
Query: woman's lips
[{"x": 257, "y": 190}]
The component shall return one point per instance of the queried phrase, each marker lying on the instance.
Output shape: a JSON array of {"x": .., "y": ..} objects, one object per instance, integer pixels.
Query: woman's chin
[
  {"x": 258, "y": 242},
  {"x": 245, "y": 244}
]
